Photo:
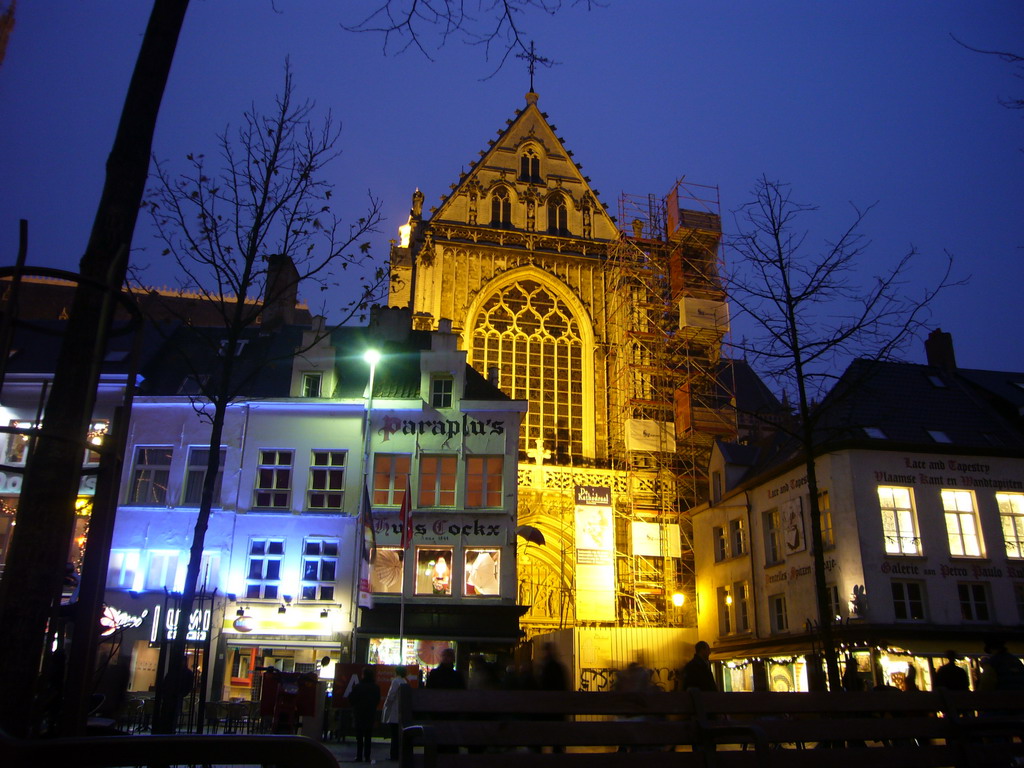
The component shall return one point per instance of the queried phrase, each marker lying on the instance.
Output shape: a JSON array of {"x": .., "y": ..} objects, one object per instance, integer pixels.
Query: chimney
[
  {"x": 938, "y": 348},
  {"x": 282, "y": 292}
]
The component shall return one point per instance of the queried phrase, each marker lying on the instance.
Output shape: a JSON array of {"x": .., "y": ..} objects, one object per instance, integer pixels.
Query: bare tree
[
  {"x": 494, "y": 25},
  {"x": 244, "y": 235},
  {"x": 811, "y": 313},
  {"x": 1015, "y": 59}
]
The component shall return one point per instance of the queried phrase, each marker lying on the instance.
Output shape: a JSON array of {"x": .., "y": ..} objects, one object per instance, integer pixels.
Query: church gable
[{"x": 527, "y": 181}]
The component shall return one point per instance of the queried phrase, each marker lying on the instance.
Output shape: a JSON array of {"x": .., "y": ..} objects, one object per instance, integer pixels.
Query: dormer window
[
  {"x": 225, "y": 348},
  {"x": 441, "y": 391},
  {"x": 529, "y": 166},
  {"x": 939, "y": 436},
  {"x": 501, "y": 209},
  {"x": 312, "y": 384},
  {"x": 875, "y": 433},
  {"x": 558, "y": 216}
]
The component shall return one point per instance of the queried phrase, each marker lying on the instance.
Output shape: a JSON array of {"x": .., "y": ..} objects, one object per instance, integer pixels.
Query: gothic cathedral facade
[{"x": 611, "y": 329}]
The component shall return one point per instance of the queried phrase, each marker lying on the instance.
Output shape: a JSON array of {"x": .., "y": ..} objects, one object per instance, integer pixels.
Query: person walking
[
  {"x": 390, "y": 713},
  {"x": 950, "y": 676},
  {"x": 1000, "y": 669},
  {"x": 445, "y": 675},
  {"x": 697, "y": 673},
  {"x": 364, "y": 698}
]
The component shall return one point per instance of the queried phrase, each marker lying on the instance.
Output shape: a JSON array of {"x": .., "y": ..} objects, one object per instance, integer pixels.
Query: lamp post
[{"x": 371, "y": 356}]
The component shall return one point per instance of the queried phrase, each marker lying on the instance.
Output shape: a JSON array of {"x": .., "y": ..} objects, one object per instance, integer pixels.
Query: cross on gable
[{"x": 532, "y": 61}]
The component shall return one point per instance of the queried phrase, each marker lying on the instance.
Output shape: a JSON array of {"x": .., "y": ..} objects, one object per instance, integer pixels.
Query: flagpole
[
  {"x": 406, "y": 517},
  {"x": 371, "y": 356}
]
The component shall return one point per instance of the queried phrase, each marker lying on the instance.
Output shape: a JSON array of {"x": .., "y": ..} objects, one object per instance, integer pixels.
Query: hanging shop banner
[{"x": 595, "y": 554}]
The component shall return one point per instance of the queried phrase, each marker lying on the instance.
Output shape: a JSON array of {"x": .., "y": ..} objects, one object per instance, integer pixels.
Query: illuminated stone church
[{"x": 610, "y": 326}]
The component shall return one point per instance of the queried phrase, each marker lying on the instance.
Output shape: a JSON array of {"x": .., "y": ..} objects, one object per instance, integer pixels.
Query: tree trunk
[{"x": 31, "y": 586}]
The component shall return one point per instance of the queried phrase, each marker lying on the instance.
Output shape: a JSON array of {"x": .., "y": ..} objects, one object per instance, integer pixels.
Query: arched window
[
  {"x": 558, "y": 216},
  {"x": 501, "y": 209},
  {"x": 534, "y": 340},
  {"x": 529, "y": 166}
]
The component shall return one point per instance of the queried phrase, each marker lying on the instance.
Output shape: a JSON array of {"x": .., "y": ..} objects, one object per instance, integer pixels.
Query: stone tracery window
[
  {"x": 558, "y": 215},
  {"x": 533, "y": 338},
  {"x": 529, "y": 166},
  {"x": 501, "y": 209}
]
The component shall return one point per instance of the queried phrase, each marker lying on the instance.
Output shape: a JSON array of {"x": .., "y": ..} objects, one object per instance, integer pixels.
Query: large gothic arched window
[{"x": 533, "y": 338}]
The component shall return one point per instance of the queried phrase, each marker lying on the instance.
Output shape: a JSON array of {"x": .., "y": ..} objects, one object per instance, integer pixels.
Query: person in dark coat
[
  {"x": 950, "y": 676},
  {"x": 363, "y": 699},
  {"x": 445, "y": 675},
  {"x": 697, "y": 672}
]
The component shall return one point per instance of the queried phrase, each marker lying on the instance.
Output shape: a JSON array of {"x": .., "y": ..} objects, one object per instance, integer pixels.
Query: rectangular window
[
  {"x": 737, "y": 537},
  {"x": 311, "y": 384},
  {"x": 973, "y": 601},
  {"x": 828, "y": 540},
  {"x": 741, "y": 606},
  {"x": 150, "y": 476},
  {"x": 908, "y": 600},
  {"x": 326, "y": 481},
  {"x": 437, "y": 481},
  {"x": 483, "y": 572},
  {"x": 387, "y": 573},
  {"x": 121, "y": 568},
  {"x": 209, "y": 571},
  {"x": 433, "y": 570},
  {"x": 441, "y": 390},
  {"x": 484, "y": 481},
  {"x": 162, "y": 570},
  {"x": 319, "y": 569},
  {"x": 195, "y": 475},
  {"x": 17, "y": 445},
  {"x": 899, "y": 521},
  {"x": 1011, "y": 517},
  {"x": 390, "y": 477},
  {"x": 777, "y": 613},
  {"x": 263, "y": 579},
  {"x": 961, "y": 523},
  {"x": 772, "y": 537},
  {"x": 274, "y": 480},
  {"x": 720, "y": 543},
  {"x": 724, "y": 611},
  {"x": 1018, "y": 594},
  {"x": 834, "y": 609}
]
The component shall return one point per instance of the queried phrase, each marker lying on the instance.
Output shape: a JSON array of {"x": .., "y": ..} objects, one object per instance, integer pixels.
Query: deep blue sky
[{"x": 860, "y": 102}]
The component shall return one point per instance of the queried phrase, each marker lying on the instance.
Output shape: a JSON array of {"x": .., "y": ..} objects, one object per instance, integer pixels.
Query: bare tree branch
[{"x": 245, "y": 232}]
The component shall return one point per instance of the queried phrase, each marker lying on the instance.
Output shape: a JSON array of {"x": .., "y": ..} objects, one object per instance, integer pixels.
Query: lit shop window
[
  {"x": 434, "y": 571},
  {"x": 483, "y": 571},
  {"x": 386, "y": 576}
]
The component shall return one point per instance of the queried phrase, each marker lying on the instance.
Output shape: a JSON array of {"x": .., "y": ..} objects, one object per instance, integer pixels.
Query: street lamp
[{"x": 371, "y": 356}]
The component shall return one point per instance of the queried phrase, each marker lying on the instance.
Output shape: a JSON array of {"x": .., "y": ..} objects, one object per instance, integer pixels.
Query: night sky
[{"x": 863, "y": 102}]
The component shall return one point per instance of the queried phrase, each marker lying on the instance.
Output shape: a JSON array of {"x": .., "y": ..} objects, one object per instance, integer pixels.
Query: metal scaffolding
[{"x": 667, "y": 400}]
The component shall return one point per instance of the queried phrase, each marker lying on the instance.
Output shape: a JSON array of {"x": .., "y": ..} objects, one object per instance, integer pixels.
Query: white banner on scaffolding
[
  {"x": 703, "y": 313},
  {"x": 650, "y": 435}
]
